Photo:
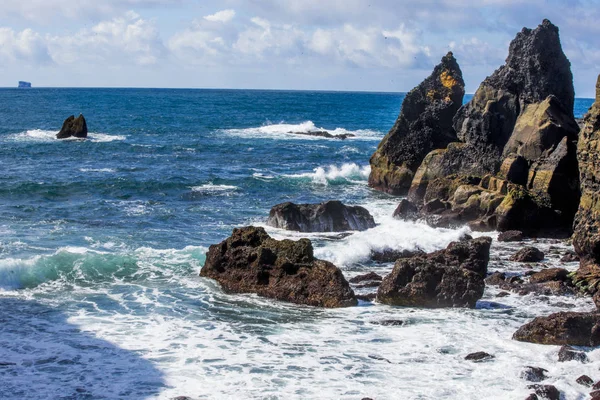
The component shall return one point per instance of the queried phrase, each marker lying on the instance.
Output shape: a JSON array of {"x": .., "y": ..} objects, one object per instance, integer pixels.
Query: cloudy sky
[{"x": 376, "y": 45}]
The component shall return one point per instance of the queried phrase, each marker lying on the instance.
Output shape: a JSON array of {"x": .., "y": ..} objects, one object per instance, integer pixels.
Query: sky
[{"x": 362, "y": 45}]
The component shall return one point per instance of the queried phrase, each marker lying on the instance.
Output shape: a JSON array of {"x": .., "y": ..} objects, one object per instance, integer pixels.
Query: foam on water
[
  {"x": 44, "y": 136},
  {"x": 213, "y": 189},
  {"x": 349, "y": 172},
  {"x": 99, "y": 170},
  {"x": 287, "y": 131}
]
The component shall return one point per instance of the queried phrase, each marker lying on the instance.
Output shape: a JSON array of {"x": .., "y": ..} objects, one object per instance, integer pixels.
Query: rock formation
[
  {"x": 514, "y": 166},
  {"x": 330, "y": 216},
  {"x": 453, "y": 277},
  {"x": 250, "y": 261},
  {"x": 563, "y": 328},
  {"x": 586, "y": 235},
  {"x": 73, "y": 127},
  {"x": 424, "y": 124}
]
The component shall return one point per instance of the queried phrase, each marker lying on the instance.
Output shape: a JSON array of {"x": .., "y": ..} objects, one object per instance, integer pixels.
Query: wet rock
[
  {"x": 585, "y": 380},
  {"x": 424, "y": 124},
  {"x": 324, "y": 134},
  {"x": 569, "y": 256},
  {"x": 406, "y": 210},
  {"x": 532, "y": 396},
  {"x": 503, "y": 294},
  {"x": 250, "y": 261},
  {"x": 330, "y": 216},
  {"x": 596, "y": 386},
  {"x": 549, "y": 392},
  {"x": 389, "y": 255},
  {"x": 528, "y": 254},
  {"x": 563, "y": 328},
  {"x": 73, "y": 127},
  {"x": 371, "y": 276},
  {"x": 534, "y": 374},
  {"x": 479, "y": 356},
  {"x": 567, "y": 353},
  {"x": 551, "y": 274},
  {"x": 389, "y": 322},
  {"x": 552, "y": 288},
  {"x": 453, "y": 277},
  {"x": 595, "y": 395},
  {"x": 510, "y": 236},
  {"x": 496, "y": 279}
]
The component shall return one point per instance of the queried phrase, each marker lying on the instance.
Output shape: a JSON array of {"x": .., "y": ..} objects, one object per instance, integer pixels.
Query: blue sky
[{"x": 377, "y": 45}]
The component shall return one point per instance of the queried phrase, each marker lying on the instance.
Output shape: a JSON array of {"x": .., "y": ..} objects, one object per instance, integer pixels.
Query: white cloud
[
  {"x": 221, "y": 16},
  {"x": 26, "y": 46}
]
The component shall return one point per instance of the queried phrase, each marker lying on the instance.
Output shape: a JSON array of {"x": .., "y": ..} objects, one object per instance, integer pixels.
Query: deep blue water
[{"x": 101, "y": 241}]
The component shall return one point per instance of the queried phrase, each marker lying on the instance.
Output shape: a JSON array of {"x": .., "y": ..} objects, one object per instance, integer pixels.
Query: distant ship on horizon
[{"x": 23, "y": 84}]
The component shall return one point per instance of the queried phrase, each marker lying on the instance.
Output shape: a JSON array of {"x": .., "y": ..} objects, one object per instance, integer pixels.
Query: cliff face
[
  {"x": 516, "y": 141},
  {"x": 424, "y": 124},
  {"x": 586, "y": 236}
]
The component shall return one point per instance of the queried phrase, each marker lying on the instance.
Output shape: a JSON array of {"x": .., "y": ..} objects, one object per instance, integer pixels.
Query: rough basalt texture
[
  {"x": 453, "y": 277},
  {"x": 73, "y": 127},
  {"x": 250, "y": 261},
  {"x": 564, "y": 328},
  {"x": 518, "y": 136},
  {"x": 330, "y": 216},
  {"x": 424, "y": 124}
]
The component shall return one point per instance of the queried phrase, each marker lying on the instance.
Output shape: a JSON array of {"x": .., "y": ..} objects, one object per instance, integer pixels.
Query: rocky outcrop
[
  {"x": 453, "y": 277},
  {"x": 586, "y": 235},
  {"x": 250, "y": 261},
  {"x": 514, "y": 165},
  {"x": 564, "y": 328},
  {"x": 424, "y": 124},
  {"x": 325, "y": 134},
  {"x": 73, "y": 127},
  {"x": 330, "y": 216},
  {"x": 528, "y": 254}
]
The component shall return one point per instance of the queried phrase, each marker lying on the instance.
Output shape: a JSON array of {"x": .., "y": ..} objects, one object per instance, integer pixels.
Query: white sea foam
[
  {"x": 287, "y": 131},
  {"x": 101, "y": 170},
  {"x": 212, "y": 189},
  {"x": 349, "y": 172},
  {"x": 40, "y": 135}
]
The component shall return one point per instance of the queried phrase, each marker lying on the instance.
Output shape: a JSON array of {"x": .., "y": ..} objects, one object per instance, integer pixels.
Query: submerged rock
[
  {"x": 479, "y": 356},
  {"x": 330, "y": 216},
  {"x": 325, "y": 134},
  {"x": 424, "y": 124},
  {"x": 585, "y": 380},
  {"x": 250, "y": 261},
  {"x": 389, "y": 255},
  {"x": 567, "y": 353},
  {"x": 371, "y": 276},
  {"x": 73, "y": 127},
  {"x": 527, "y": 255},
  {"x": 453, "y": 277},
  {"x": 548, "y": 392},
  {"x": 534, "y": 374},
  {"x": 563, "y": 328}
]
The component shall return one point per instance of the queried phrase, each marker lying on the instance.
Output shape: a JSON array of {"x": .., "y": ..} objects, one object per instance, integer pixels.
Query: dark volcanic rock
[
  {"x": 389, "y": 255},
  {"x": 567, "y": 353},
  {"x": 510, "y": 236},
  {"x": 549, "y": 392},
  {"x": 528, "y": 254},
  {"x": 73, "y": 127},
  {"x": 324, "y": 134},
  {"x": 330, "y": 216},
  {"x": 389, "y": 322},
  {"x": 534, "y": 374},
  {"x": 479, "y": 356},
  {"x": 371, "y": 276},
  {"x": 563, "y": 328},
  {"x": 570, "y": 256},
  {"x": 496, "y": 279},
  {"x": 585, "y": 380},
  {"x": 406, "y": 210},
  {"x": 424, "y": 124},
  {"x": 250, "y": 261},
  {"x": 532, "y": 396},
  {"x": 453, "y": 277},
  {"x": 551, "y": 274}
]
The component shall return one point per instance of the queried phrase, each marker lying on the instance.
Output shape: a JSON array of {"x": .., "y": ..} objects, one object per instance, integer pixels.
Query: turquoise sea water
[{"x": 101, "y": 241}]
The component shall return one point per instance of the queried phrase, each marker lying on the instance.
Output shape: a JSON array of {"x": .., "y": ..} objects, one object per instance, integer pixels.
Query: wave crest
[{"x": 287, "y": 131}]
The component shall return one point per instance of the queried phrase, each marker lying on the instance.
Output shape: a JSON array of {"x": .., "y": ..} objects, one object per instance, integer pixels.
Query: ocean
[{"x": 102, "y": 240}]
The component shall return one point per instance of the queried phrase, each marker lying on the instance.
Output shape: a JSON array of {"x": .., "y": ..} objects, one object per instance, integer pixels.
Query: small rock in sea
[
  {"x": 366, "y": 297},
  {"x": 551, "y": 274},
  {"x": 585, "y": 380},
  {"x": 406, "y": 210},
  {"x": 371, "y": 276},
  {"x": 532, "y": 396},
  {"x": 366, "y": 398},
  {"x": 503, "y": 294},
  {"x": 549, "y": 392},
  {"x": 562, "y": 328},
  {"x": 534, "y": 374},
  {"x": 496, "y": 279},
  {"x": 181, "y": 398},
  {"x": 567, "y": 353},
  {"x": 562, "y": 304},
  {"x": 595, "y": 395},
  {"x": 528, "y": 254},
  {"x": 73, "y": 127},
  {"x": 389, "y": 322},
  {"x": 479, "y": 356},
  {"x": 515, "y": 280},
  {"x": 510, "y": 236},
  {"x": 596, "y": 386},
  {"x": 6, "y": 364},
  {"x": 570, "y": 256},
  {"x": 389, "y": 255}
]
